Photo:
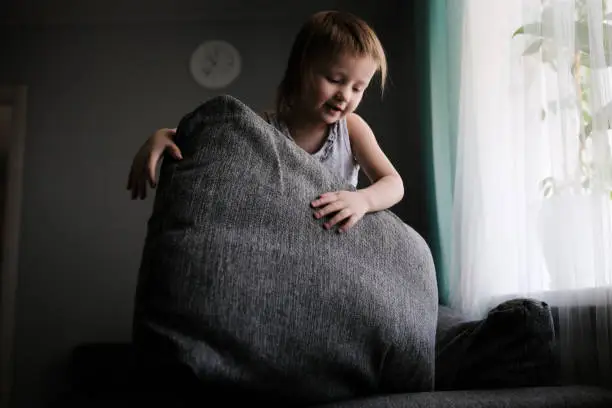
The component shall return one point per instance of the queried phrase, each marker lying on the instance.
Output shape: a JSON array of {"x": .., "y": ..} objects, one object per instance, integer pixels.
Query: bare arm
[
  {"x": 145, "y": 162},
  {"x": 387, "y": 187}
]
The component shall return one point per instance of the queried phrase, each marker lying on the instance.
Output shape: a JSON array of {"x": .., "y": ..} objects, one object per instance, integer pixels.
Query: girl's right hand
[{"x": 144, "y": 165}]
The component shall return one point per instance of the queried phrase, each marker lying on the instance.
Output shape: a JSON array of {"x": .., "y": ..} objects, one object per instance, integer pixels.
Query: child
[{"x": 332, "y": 61}]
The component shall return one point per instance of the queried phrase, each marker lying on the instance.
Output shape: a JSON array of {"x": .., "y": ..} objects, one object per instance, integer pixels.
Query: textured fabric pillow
[{"x": 239, "y": 282}]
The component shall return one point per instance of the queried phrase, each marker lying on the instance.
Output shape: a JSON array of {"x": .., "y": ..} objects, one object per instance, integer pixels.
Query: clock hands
[
  {"x": 210, "y": 66},
  {"x": 215, "y": 64},
  {"x": 212, "y": 61}
]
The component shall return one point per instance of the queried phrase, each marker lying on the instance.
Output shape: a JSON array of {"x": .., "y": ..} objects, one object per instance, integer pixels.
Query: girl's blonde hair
[{"x": 325, "y": 34}]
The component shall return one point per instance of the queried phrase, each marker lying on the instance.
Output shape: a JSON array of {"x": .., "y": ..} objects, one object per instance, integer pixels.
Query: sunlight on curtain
[
  {"x": 532, "y": 206},
  {"x": 493, "y": 190}
]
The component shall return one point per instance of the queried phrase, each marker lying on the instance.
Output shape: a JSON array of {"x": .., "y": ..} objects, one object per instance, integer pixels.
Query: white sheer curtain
[{"x": 532, "y": 200}]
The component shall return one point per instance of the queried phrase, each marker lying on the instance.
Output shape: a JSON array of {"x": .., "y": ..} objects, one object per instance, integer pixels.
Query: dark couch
[
  {"x": 244, "y": 298},
  {"x": 487, "y": 363}
]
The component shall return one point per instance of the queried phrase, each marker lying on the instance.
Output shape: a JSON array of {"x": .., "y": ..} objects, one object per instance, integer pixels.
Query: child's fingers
[
  {"x": 143, "y": 189},
  {"x": 337, "y": 218},
  {"x": 174, "y": 151},
  {"x": 135, "y": 189},
  {"x": 348, "y": 224},
  {"x": 328, "y": 209},
  {"x": 152, "y": 168},
  {"x": 325, "y": 199}
]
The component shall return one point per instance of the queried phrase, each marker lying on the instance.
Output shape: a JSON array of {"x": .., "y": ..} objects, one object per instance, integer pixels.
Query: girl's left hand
[{"x": 349, "y": 206}]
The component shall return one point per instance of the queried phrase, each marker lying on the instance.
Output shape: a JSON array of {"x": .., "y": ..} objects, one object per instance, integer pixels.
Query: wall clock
[{"x": 215, "y": 64}]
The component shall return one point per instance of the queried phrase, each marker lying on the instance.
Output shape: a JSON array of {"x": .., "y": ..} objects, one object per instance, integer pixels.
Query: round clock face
[{"x": 215, "y": 64}]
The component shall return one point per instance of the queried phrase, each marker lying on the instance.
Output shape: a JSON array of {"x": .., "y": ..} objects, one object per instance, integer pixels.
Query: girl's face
[{"x": 337, "y": 87}]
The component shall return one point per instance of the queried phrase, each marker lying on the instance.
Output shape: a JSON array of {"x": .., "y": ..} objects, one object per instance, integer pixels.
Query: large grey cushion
[{"x": 240, "y": 282}]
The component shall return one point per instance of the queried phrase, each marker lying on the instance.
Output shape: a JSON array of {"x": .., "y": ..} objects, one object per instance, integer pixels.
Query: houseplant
[{"x": 545, "y": 42}]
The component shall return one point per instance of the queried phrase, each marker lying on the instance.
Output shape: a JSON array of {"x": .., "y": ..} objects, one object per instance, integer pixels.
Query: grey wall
[{"x": 95, "y": 92}]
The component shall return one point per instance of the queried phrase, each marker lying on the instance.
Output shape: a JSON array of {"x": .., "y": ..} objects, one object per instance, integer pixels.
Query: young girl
[{"x": 332, "y": 62}]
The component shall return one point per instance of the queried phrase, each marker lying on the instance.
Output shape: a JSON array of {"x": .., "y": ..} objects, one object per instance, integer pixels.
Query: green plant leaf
[
  {"x": 548, "y": 187},
  {"x": 585, "y": 59},
  {"x": 581, "y": 40},
  {"x": 534, "y": 47},
  {"x": 520, "y": 30},
  {"x": 534, "y": 29},
  {"x": 583, "y": 44},
  {"x": 588, "y": 123}
]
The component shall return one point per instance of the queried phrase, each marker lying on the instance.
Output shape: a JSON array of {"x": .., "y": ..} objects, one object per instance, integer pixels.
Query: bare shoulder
[
  {"x": 366, "y": 149},
  {"x": 358, "y": 128}
]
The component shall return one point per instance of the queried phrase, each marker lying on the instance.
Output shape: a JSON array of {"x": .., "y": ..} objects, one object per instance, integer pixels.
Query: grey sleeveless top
[{"x": 336, "y": 152}]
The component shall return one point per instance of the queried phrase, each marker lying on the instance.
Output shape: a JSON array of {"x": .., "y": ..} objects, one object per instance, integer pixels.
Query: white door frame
[{"x": 15, "y": 97}]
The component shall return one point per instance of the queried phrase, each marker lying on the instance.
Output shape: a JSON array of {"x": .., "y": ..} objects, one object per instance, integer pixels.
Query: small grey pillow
[{"x": 513, "y": 346}]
